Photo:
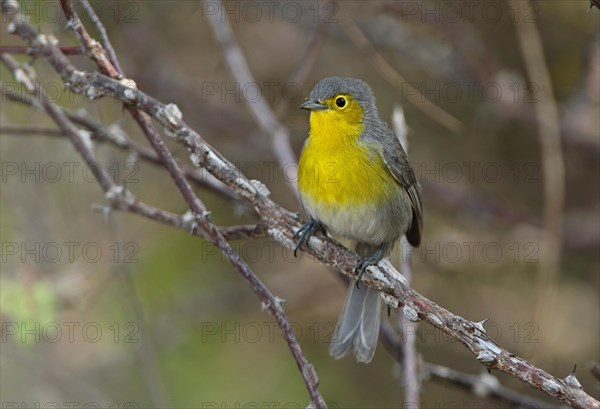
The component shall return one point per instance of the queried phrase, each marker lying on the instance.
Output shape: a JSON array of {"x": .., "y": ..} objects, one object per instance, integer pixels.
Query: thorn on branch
[
  {"x": 435, "y": 320},
  {"x": 191, "y": 219},
  {"x": 260, "y": 188},
  {"x": 479, "y": 325},
  {"x": 410, "y": 313},
  {"x": 278, "y": 304},
  {"x": 119, "y": 195},
  {"x": 486, "y": 357},
  {"x": 390, "y": 301},
  {"x": 572, "y": 380},
  {"x": 130, "y": 92}
]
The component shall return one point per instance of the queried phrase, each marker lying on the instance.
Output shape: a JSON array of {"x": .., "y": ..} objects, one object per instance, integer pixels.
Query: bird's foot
[
  {"x": 368, "y": 261},
  {"x": 305, "y": 233}
]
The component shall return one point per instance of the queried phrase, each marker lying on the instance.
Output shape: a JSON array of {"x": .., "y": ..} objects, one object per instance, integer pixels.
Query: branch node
[
  {"x": 92, "y": 93},
  {"x": 25, "y": 74},
  {"x": 551, "y": 387},
  {"x": 260, "y": 187},
  {"x": 278, "y": 304},
  {"x": 71, "y": 24},
  {"x": 390, "y": 300},
  {"x": 479, "y": 325},
  {"x": 312, "y": 373},
  {"x": 410, "y": 313},
  {"x": 190, "y": 219},
  {"x": 572, "y": 380},
  {"x": 171, "y": 114},
  {"x": 486, "y": 357},
  {"x": 435, "y": 320},
  {"x": 118, "y": 194}
]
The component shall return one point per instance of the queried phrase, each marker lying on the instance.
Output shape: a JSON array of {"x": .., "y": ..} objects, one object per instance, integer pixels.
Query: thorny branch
[
  {"x": 282, "y": 224},
  {"x": 114, "y": 135},
  {"x": 199, "y": 213},
  {"x": 484, "y": 385}
]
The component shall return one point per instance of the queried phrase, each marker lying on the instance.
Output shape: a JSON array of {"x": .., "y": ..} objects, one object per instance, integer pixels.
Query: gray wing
[{"x": 397, "y": 163}]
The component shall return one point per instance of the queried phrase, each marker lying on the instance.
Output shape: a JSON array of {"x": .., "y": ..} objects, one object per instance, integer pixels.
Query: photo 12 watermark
[
  {"x": 270, "y": 11},
  {"x": 68, "y": 405},
  {"x": 70, "y": 332},
  {"x": 322, "y": 332},
  {"x": 92, "y": 252},
  {"x": 117, "y": 12},
  {"x": 66, "y": 172},
  {"x": 453, "y": 12}
]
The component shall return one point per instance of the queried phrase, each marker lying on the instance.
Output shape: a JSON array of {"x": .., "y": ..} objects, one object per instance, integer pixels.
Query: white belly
[{"x": 366, "y": 223}]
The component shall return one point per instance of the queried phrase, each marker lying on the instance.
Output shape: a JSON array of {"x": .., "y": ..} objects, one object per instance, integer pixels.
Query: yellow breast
[{"x": 337, "y": 170}]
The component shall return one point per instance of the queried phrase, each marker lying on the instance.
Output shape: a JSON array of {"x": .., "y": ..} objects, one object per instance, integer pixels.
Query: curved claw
[
  {"x": 366, "y": 262},
  {"x": 305, "y": 233}
]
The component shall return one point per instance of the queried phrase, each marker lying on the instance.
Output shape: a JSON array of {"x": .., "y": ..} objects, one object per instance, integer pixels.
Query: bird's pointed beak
[{"x": 313, "y": 105}]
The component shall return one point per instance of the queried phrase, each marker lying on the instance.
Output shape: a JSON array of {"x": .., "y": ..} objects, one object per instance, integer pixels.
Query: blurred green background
[{"x": 124, "y": 312}]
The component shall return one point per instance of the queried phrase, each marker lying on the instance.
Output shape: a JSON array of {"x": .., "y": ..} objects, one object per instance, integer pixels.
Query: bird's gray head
[{"x": 339, "y": 93}]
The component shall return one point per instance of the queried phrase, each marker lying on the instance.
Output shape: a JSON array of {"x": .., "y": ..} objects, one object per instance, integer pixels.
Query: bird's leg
[
  {"x": 305, "y": 233},
  {"x": 368, "y": 261}
]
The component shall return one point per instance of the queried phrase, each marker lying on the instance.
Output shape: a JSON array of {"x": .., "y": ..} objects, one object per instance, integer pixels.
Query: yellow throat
[{"x": 337, "y": 169}]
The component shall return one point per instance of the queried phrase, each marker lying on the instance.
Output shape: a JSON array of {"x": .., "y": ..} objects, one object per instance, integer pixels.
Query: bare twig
[
  {"x": 484, "y": 385},
  {"x": 30, "y": 130},
  {"x": 77, "y": 139},
  {"x": 108, "y": 48},
  {"x": 391, "y": 75},
  {"x": 305, "y": 65},
  {"x": 115, "y": 136},
  {"x": 262, "y": 113},
  {"x": 92, "y": 47},
  {"x": 532, "y": 51},
  {"x": 246, "y": 231},
  {"x": 200, "y": 212},
  {"x": 281, "y": 225},
  {"x": 409, "y": 363},
  {"x": 21, "y": 50}
]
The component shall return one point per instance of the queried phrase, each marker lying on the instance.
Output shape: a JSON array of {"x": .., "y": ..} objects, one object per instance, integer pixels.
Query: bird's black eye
[{"x": 340, "y": 102}]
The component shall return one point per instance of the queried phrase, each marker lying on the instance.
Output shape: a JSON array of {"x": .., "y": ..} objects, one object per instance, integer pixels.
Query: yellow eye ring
[{"x": 340, "y": 102}]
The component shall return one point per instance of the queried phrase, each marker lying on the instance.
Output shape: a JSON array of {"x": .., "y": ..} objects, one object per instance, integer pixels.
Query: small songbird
[{"x": 355, "y": 181}]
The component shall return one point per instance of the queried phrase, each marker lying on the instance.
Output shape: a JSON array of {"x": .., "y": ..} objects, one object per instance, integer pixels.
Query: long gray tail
[{"x": 358, "y": 326}]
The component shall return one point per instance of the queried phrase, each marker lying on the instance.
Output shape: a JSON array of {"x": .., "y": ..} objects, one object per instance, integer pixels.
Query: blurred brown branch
[
  {"x": 553, "y": 166},
  {"x": 412, "y": 382},
  {"x": 199, "y": 213},
  {"x": 484, "y": 385},
  {"x": 114, "y": 135},
  {"x": 21, "y": 50},
  {"x": 391, "y": 75},
  {"x": 262, "y": 113},
  {"x": 280, "y": 223}
]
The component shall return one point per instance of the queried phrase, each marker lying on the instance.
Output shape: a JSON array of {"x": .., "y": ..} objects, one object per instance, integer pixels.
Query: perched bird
[{"x": 355, "y": 181}]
